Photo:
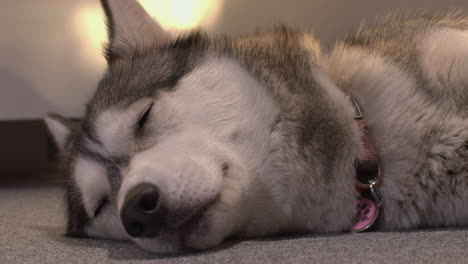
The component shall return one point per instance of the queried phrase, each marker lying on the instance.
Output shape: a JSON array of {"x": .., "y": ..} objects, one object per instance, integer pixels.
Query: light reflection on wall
[
  {"x": 89, "y": 21},
  {"x": 175, "y": 15},
  {"x": 183, "y": 14}
]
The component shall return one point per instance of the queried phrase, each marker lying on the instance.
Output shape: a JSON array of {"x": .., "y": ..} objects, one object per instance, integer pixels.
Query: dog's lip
[
  {"x": 199, "y": 218},
  {"x": 195, "y": 221}
]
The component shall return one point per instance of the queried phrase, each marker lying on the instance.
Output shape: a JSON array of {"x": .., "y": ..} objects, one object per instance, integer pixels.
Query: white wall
[{"x": 50, "y": 60}]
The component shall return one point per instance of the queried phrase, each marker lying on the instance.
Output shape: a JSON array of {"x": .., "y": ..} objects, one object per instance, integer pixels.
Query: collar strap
[{"x": 368, "y": 176}]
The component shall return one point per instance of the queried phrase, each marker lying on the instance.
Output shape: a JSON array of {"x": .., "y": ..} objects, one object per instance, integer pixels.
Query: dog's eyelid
[
  {"x": 143, "y": 118},
  {"x": 102, "y": 204}
]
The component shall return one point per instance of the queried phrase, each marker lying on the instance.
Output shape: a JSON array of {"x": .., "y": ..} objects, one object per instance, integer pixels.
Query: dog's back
[{"x": 411, "y": 78}]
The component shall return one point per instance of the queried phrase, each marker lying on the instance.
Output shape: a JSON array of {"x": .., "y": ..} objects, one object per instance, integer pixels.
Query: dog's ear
[
  {"x": 130, "y": 28},
  {"x": 60, "y": 128}
]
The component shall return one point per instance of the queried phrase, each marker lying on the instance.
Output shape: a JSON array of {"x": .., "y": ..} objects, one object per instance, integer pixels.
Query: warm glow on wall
[
  {"x": 89, "y": 22},
  {"x": 182, "y": 14},
  {"x": 174, "y": 15}
]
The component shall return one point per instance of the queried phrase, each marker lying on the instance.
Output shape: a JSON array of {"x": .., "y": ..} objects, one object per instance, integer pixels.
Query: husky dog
[{"x": 189, "y": 140}]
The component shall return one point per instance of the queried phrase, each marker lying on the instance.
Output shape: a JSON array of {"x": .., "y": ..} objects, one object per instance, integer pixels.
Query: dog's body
[{"x": 255, "y": 136}]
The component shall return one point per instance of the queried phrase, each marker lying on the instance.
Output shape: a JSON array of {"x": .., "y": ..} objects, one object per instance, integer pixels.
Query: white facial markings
[
  {"x": 177, "y": 174},
  {"x": 444, "y": 59},
  {"x": 215, "y": 101},
  {"x": 114, "y": 129},
  {"x": 91, "y": 179},
  {"x": 228, "y": 100}
]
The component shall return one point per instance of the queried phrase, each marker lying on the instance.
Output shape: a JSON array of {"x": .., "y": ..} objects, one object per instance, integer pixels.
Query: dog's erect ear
[
  {"x": 60, "y": 128},
  {"x": 130, "y": 28}
]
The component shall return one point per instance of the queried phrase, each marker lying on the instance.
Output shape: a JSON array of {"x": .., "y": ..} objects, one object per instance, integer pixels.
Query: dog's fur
[{"x": 254, "y": 136}]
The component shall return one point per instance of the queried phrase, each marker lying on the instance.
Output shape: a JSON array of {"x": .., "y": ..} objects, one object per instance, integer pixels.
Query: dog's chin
[
  {"x": 203, "y": 238},
  {"x": 198, "y": 237},
  {"x": 170, "y": 244}
]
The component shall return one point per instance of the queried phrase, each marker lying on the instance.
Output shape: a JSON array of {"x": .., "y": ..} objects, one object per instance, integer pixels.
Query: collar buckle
[
  {"x": 357, "y": 109},
  {"x": 368, "y": 176}
]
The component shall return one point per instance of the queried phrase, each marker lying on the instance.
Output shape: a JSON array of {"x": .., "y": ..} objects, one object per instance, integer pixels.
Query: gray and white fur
[{"x": 254, "y": 136}]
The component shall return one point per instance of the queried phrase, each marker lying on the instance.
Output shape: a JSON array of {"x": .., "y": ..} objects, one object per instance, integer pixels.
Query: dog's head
[{"x": 174, "y": 140}]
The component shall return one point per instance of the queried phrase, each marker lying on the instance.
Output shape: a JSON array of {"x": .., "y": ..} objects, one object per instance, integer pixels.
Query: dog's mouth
[
  {"x": 191, "y": 218},
  {"x": 170, "y": 241},
  {"x": 175, "y": 238},
  {"x": 197, "y": 224}
]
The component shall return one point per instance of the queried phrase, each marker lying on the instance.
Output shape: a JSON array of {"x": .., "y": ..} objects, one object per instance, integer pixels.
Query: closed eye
[
  {"x": 143, "y": 118},
  {"x": 103, "y": 204}
]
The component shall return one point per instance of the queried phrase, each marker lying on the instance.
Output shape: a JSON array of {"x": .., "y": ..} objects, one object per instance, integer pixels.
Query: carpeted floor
[{"x": 31, "y": 225}]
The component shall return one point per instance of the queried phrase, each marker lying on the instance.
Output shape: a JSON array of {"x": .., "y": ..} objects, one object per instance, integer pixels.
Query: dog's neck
[{"x": 314, "y": 145}]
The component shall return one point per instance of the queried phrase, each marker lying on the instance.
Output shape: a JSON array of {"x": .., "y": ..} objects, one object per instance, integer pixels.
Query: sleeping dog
[{"x": 192, "y": 139}]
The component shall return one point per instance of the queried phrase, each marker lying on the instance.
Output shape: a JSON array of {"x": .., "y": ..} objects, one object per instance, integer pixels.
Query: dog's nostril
[
  {"x": 149, "y": 202},
  {"x": 135, "y": 230}
]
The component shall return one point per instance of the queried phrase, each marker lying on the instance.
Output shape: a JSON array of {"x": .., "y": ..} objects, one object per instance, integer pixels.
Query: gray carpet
[{"x": 31, "y": 225}]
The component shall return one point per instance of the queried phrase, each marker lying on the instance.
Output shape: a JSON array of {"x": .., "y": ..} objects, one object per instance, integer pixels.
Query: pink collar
[{"x": 368, "y": 176}]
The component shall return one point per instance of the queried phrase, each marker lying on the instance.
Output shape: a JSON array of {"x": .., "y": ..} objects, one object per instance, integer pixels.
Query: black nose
[{"x": 142, "y": 213}]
